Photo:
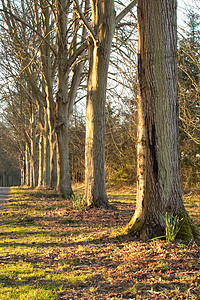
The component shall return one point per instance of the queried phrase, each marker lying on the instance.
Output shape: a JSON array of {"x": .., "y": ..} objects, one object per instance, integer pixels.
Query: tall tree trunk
[
  {"x": 158, "y": 168},
  {"x": 46, "y": 166},
  {"x": 27, "y": 172},
  {"x": 53, "y": 161},
  {"x": 33, "y": 171},
  {"x": 41, "y": 144},
  {"x": 62, "y": 102},
  {"x": 52, "y": 181},
  {"x": 41, "y": 160},
  {"x": 51, "y": 121},
  {"x": 64, "y": 177},
  {"x": 103, "y": 21},
  {"x": 48, "y": 77},
  {"x": 23, "y": 171}
]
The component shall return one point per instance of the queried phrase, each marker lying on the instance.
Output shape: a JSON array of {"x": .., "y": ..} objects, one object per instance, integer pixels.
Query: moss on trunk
[
  {"x": 134, "y": 227},
  {"x": 188, "y": 230}
]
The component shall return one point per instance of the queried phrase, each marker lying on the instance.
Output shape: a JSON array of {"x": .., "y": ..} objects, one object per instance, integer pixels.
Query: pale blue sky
[{"x": 182, "y": 4}]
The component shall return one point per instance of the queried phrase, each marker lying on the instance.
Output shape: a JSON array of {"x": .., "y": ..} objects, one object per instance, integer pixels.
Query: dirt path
[{"x": 4, "y": 194}]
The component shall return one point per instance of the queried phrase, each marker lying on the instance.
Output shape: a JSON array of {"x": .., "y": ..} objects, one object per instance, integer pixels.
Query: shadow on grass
[
  {"x": 100, "y": 242},
  {"x": 125, "y": 288},
  {"x": 90, "y": 258}
]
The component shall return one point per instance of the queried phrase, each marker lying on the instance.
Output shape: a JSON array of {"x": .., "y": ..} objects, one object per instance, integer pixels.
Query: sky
[{"x": 182, "y": 5}]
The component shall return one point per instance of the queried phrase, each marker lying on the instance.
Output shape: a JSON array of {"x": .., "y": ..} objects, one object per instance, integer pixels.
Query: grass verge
[{"x": 50, "y": 249}]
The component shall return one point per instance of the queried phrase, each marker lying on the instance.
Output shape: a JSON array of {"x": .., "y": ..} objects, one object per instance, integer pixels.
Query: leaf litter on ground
[{"x": 50, "y": 250}]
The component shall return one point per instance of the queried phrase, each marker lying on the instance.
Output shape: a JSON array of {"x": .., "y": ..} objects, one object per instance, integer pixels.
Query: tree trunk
[
  {"x": 22, "y": 176},
  {"x": 33, "y": 154},
  {"x": 46, "y": 154},
  {"x": 41, "y": 145},
  {"x": 158, "y": 167},
  {"x": 41, "y": 160},
  {"x": 27, "y": 172},
  {"x": 23, "y": 169},
  {"x": 33, "y": 162},
  {"x": 53, "y": 161},
  {"x": 48, "y": 71},
  {"x": 103, "y": 22},
  {"x": 64, "y": 177},
  {"x": 62, "y": 103}
]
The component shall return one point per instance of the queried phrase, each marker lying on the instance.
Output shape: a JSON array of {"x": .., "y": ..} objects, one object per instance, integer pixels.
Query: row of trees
[
  {"x": 51, "y": 51},
  {"x": 45, "y": 48},
  {"x": 9, "y": 171}
]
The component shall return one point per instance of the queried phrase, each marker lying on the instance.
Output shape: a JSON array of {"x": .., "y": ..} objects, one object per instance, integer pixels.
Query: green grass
[{"x": 51, "y": 249}]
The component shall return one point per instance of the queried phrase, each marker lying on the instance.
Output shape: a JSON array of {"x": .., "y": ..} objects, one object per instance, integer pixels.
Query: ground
[{"x": 54, "y": 249}]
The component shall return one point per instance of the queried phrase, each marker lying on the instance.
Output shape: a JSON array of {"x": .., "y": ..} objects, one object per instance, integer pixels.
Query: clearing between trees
[{"x": 52, "y": 248}]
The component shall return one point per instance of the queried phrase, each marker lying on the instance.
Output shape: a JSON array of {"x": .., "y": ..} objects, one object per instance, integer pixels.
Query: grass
[
  {"x": 51, "y": 249},
  {"x": 173, "y": 226}
]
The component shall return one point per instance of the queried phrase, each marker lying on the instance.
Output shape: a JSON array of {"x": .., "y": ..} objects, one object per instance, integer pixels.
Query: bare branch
[
  {"x": 85, "y": 22},
  {"x": 125, "y": 11},
  {"x": 29, "y": 26},
  {"x": 77, "y": 53}
]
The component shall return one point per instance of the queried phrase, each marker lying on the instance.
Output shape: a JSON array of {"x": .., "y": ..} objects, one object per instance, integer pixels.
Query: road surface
[{"x": 4, "y": 194}]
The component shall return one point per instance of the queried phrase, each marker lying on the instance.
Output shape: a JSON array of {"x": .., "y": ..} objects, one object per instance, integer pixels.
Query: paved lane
[{"x": 4, "y": 194}]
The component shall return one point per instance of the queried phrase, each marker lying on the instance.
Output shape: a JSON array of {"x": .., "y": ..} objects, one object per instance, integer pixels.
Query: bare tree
[
  {"x": 61, "y": 61},
  {"x": 101, "y": 32}
]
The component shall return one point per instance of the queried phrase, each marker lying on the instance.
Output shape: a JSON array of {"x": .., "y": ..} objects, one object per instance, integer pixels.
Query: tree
[
  {"x": 66, "y": 90},
  {"x": 9, "y": 157},
  {"x": 22, "y": 42},
  {"x": 101, "y": 34},
  {"x": 158, "y": 166},
  {"x": 103, "y": 19},
  {"x": 56, "y": 30},
  {"x": 47, "y": 135}
]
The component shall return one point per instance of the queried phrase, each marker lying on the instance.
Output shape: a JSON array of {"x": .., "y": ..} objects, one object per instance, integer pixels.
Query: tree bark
[
  {"x": 62, "y": 103},
  {"x": 53, "y": 160},
  {"x": 65, "y": 96},
  {"x": 41, "y": 160},
  {"x": 48, "y": 78},
  {"x": 33, "y": 154},
  {"x": 27, "y": 160},
  {"x": 103, "y": 23},
  {"x": 158, "y": 167},
  {"x": 23, "y": 170}
]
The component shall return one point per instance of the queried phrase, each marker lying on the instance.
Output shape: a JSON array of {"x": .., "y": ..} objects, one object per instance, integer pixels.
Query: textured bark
[
  {"x": 46, "y": 156},
  {"x": 158, "y": 170},
  {"x": 103, "y": 23},
  {"x": 50, "y": 111},
  {"x": 27, "y": 172},
  {"x": 40, "y": 161},
  {"x": 33, "y": 152},
  {"x": 65, "y": 96},
  {"x": 64, "y": 176},
  {"x": 62, "y": 102},
  {"x": 23, "y": 170},
  {"x": 48, "y": 78},
  {"x": 40, "y": 145},
  {"x": 53, "y": 161}
]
